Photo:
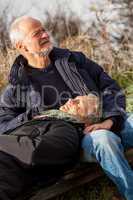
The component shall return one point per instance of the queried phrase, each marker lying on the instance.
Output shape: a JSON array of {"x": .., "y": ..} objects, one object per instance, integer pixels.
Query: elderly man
[{"x": 44, "y": 77}]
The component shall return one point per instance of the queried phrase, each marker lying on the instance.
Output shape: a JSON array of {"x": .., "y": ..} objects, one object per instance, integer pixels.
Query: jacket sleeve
[
  {"x": 11, "y": 115},
  {"x": 112, "y": 96}
]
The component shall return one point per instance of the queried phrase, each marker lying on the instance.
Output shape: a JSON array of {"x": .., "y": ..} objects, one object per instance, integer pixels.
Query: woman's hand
[{"x": 107, "y": 124}]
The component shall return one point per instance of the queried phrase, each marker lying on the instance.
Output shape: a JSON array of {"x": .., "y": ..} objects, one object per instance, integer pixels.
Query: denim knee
[
  {"x": 127, "y": 132},
  {"x": 100, "y": 139}
]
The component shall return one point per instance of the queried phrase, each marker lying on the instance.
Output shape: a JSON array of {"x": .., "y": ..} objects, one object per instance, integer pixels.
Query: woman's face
[{"x": 81, "y": 106}]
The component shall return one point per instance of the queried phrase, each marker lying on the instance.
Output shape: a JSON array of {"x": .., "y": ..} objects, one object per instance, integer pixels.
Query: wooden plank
[
  {"x": 68, "y": 183},
  {"x": 76, "y": 177}
]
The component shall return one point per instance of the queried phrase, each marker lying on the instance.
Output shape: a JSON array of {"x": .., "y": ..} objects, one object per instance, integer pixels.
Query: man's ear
[{"x": 21, "y": 47}]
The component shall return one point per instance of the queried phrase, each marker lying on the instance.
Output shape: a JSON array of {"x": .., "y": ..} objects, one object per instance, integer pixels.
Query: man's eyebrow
[{"x": 37, "y": 31}]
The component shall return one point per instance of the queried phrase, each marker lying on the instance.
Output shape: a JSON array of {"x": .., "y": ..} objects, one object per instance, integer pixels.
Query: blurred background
[{"x": 102, "y": 29}]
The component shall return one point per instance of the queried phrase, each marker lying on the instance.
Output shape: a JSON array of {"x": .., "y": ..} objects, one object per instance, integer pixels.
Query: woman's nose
[{"x": 70, "y": 101}]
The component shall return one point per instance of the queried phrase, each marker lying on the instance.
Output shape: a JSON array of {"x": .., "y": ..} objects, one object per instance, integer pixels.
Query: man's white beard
[{"x": 43, "y": 53}]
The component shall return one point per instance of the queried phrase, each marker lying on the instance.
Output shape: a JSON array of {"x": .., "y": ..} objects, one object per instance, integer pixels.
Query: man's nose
[{"x": 44, "y": 35}]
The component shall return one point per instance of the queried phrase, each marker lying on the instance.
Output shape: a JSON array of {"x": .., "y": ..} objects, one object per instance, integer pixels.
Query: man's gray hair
[{"x": 16, "y": 34}]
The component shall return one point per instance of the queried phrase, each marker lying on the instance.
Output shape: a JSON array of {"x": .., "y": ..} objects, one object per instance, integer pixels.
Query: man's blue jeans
[{"x": 108, "y": 149}]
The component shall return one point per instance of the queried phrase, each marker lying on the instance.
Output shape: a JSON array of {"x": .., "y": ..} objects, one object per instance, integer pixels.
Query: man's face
[{"x": 36, "y": 38}]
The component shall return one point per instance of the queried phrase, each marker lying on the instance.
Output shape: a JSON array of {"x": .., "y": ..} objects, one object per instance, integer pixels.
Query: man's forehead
[{"x": 30, "y": 25}]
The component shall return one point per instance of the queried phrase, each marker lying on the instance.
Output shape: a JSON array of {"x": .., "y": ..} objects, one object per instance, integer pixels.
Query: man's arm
[{"x": 11, "y": 116}]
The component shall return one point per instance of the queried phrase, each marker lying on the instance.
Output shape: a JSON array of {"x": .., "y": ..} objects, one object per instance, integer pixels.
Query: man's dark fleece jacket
[{"x": 31, "y": 90}]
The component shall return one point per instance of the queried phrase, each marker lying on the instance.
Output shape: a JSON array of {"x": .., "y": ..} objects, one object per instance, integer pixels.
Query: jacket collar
[{"x": 18, "y": 73}]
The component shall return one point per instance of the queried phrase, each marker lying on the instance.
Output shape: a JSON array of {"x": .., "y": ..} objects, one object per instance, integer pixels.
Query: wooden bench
[{"x": 80, "y": 175}]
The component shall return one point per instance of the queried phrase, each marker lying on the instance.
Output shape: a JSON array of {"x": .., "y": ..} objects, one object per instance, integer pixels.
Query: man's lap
[
  {"x": 127, "y": 132},
  {"x": 126, "y": 138}
]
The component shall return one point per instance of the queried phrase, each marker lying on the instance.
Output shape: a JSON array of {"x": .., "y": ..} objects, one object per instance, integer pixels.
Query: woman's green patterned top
[{"x": 57, "y": 114}]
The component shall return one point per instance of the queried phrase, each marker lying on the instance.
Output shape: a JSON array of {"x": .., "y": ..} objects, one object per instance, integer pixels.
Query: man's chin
[{"x": 44, "y": 52}]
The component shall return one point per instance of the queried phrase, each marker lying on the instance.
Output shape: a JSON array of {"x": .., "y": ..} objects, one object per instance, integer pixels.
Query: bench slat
[{"x": 76, "y": 177}]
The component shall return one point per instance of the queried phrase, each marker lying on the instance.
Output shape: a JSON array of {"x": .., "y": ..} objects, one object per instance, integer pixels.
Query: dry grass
[
  {"x": 7, "y": 60},
  {"x": 102, "y": 52}
]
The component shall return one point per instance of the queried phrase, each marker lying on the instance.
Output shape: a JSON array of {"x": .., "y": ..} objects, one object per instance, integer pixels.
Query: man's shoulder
[
  {"x": 58, "y": 53},
  {"x": 20, "y": 60},
  {"x": 65, "y": 52},
  {"x": 17, "y": 73},
  {"x": 7, "y": 94}
]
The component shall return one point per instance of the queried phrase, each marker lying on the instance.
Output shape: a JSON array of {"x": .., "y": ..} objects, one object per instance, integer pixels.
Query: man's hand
[{"x": 107, "y": 124}]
